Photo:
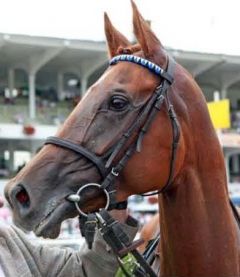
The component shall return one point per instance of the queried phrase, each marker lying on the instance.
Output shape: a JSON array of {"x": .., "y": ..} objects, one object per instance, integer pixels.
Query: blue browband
[{"x": 143, "y": 62}]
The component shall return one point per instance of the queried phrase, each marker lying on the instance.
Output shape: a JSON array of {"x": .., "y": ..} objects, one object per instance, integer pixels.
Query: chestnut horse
[{"x": 199, "y": 235}]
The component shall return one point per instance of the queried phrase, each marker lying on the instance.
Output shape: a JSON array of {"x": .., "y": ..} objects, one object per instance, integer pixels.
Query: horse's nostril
[{"x": 22, "y": 196}]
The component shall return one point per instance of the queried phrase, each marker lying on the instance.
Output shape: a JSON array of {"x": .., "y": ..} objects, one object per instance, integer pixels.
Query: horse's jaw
[
  {"x": 50, "y": 224},
  {"x": 46, "y": 224}
]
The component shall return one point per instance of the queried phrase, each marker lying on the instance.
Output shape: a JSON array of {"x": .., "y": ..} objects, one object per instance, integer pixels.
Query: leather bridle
[
  {"x": 110, "y": 170},
  {"x": 110, "y": 228},
  {"x": 141, "y": 125}
]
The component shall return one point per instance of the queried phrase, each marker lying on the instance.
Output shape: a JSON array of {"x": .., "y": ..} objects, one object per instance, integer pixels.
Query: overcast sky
[{"x": 203, "y": 25}]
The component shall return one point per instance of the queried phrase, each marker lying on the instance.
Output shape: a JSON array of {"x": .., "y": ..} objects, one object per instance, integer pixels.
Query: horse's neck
[{"x": 199, "y": 234}]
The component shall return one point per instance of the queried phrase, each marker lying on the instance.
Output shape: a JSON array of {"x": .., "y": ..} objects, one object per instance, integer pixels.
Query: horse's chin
[
  {"x": 51, "y": 232},
  {"x": 50, "y": 225}
]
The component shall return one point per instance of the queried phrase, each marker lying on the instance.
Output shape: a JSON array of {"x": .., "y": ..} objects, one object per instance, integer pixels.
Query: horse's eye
[{"x": 118, "y": 103}]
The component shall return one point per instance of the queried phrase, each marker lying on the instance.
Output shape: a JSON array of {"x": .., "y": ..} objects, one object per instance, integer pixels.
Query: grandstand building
[{"x": 42, "y": 79}]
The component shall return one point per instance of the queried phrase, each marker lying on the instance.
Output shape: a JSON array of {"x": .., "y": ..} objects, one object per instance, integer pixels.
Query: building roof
[{"x": 49, "y": 56}]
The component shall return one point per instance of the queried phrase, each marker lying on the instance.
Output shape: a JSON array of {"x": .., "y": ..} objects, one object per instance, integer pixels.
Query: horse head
[{"x": 38, "y": 194}]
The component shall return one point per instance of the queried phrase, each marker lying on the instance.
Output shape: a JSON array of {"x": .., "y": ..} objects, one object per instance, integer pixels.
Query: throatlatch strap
[{"x": 235, "y": 212}]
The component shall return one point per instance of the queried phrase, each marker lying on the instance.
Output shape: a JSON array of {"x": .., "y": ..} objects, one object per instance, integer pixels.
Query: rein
[{"x": 110, "y": 171}]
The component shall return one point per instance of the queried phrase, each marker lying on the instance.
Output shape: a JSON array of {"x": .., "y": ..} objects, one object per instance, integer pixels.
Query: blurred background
[{"x": 52, "y": 51}]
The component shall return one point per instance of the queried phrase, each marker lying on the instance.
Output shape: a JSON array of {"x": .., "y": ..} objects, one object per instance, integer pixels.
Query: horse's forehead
[
  {"x": 129, "y": 77},
  {"x": 125, "y": 72},
  {"x": 121, "y": 77}
]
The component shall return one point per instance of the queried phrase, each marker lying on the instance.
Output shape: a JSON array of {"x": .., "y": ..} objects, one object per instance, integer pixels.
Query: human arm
[{"x": 50, "y": 262}]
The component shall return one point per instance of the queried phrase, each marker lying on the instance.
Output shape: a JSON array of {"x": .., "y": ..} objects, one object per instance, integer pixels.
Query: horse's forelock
[{"x": 132, "y": 49}]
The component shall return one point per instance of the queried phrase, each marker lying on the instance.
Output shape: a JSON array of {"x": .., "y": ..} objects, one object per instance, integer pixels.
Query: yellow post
[{"x": 220, "y": 114}]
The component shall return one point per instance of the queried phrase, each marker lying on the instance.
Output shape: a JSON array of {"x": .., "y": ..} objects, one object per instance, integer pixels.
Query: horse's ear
[
  {"x": 114, "y": 38},
  {"x": 145, "y": 36}
]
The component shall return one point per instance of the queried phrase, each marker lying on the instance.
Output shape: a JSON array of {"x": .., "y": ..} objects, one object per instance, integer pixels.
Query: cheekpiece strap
[{"x": 156, "y": 69}]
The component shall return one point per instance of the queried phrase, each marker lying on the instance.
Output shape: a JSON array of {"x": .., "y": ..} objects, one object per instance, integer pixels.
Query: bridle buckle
[{"x": 114, "y": 172}]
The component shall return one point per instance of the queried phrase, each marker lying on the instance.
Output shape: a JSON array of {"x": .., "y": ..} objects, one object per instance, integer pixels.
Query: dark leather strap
[
  {"x": 80, "y": 150},
  {"x": 111, "y": 231},
  {"x": 175, "y": 129},
  {"x": 118, "y": 206},
  {"x": 149, "y": 252},
  {"x": 145, "y": 118},
  {"x": 117, "y": 239},
  {"x": 90, "y": 229},
  {"x": 235, "y": 212}
]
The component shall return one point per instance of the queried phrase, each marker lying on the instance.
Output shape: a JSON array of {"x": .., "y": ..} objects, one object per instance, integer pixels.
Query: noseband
[{"x": 104, "y": 164}]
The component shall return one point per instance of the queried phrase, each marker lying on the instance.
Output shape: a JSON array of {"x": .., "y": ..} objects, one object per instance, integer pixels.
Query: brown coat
[{"x": 20, "y": 258}]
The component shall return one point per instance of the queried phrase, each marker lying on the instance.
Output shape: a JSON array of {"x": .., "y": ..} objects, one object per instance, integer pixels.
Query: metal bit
[{"x": 74, "y": 198}]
